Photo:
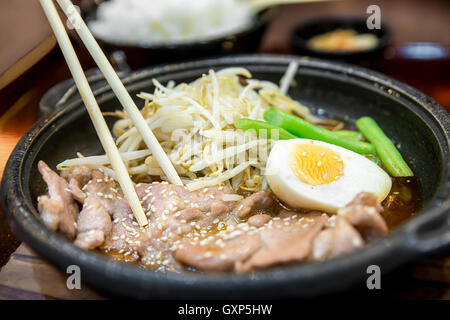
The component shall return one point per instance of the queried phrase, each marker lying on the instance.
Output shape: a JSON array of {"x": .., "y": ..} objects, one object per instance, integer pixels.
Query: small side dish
[{"x": 343, "y": 40}]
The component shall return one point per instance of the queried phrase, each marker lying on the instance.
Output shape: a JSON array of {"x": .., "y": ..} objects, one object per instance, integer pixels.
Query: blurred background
[
  {"x": 413, "y": 45},
  {"x": 415, "y": 48}
]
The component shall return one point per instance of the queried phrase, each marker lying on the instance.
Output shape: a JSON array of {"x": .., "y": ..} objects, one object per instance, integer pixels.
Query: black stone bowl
[
  {"x": 243, "y": 41},
  {"x": 415, "y": 122},
  {"x": 304, "y": 31}
]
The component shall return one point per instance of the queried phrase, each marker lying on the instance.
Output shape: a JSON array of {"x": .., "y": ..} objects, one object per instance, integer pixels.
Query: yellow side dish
[{"x": 343, "y": 40}]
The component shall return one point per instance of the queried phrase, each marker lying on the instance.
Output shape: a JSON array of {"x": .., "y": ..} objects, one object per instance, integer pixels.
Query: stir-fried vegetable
[
  {"x": 390, "y": 157},
  {"x": 303, "y": 129},
  {"x": 257, "y": 125}
]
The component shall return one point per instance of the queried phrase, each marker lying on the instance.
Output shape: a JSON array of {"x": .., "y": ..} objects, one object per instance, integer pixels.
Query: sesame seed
[{"x": 356, "y": 242}]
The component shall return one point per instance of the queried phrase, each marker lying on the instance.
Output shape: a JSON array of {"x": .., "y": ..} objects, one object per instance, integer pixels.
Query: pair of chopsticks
[{"x": 93, "y": 109}]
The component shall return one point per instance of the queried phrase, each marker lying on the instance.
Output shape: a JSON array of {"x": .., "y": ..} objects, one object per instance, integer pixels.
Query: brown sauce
[{"x": 403, "y": 202}]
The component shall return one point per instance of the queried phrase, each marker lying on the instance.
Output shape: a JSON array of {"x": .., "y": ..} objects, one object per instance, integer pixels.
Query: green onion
[
  {"x": 390, "y": 157},
  {"x": 249, "y": 124},
  {"x": 303, "y": 129}
]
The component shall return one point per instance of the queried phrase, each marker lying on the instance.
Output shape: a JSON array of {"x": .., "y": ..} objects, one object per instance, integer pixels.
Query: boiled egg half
[{"x": 310, "y": 174}]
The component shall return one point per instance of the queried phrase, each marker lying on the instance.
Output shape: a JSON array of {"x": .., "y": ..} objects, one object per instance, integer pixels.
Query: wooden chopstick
[
  {"x": 121, "y": 92},
  {"x": 93, "y": 109}
]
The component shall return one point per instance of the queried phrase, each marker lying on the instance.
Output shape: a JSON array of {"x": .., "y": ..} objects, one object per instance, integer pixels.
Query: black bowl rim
[
  {"x": 259, "y": 20},
  {"x": 398, "y": 247},
  {"x": 300, "y": 43}
]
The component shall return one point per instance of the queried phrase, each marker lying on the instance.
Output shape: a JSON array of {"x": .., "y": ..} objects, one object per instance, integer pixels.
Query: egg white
[{"x": 359, "y": 174}]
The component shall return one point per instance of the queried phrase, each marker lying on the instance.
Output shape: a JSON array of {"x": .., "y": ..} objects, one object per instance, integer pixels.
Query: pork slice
[
  {"x": 258, "y": 220},
  {"x": 364, "y": 214},
  {"x": 284, "y": 241},
  {"x": 219, "y": 207},
  {"x": 172, "y": 211},
  {"x": 258, "y": 201},
  {"x": 50, "y": 211},
  {"x": 77, "y": 193},
  {"x": 249, "y": 245},
  {"x": 339, "y": 239},
  {"x": 190, "y": 214},
  {"x": 93, "y": 217},
  {"x": 60, "y": 213},
  {"x": 126, "y": 234},
  {"x": 90, "y": 239},
  {"x": 210, "y": 200},
  {"x": 81, "y": 174},
  {"x": 78, "y": 177},
  {"x": 175, "y": 214},
  {"x": 108, "y": 212},
  {"x": 162, "y": 200},
  {"x": 217, "y": 255},
  {"x": 105, "y": 189}
]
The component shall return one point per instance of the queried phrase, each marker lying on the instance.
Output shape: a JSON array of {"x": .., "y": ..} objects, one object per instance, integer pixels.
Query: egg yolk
[{"x": 315, "y": 164}]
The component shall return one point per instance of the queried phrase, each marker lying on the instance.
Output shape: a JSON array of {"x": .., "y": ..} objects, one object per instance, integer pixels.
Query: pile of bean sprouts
[{"x": 194, "y": 123}]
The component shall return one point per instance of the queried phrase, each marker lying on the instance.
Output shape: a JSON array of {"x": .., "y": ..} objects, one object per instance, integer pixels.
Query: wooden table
[{"x": 26, "y": 276}]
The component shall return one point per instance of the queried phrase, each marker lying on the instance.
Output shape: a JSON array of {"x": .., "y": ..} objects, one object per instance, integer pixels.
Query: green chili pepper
[
  {"x": 389, "y": 155},
  {"x": 347, "y": 134},
  {"x": 257, "y": 125},
  {"x": 303, "y": 129}
]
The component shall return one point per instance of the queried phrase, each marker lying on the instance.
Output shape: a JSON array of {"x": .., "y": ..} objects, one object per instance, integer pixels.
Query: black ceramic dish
[
  {"x": 303, "y": 32},
  {"x": 245, "y": 41},
  {"x": 415, "y": 121}
]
